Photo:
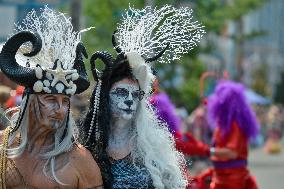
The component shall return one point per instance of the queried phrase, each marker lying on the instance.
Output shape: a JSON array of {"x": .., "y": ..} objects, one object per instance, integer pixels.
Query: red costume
[
  {"x": 234, "y": 123},
  {"x": 231, "y": 174},
  {"x": 190, "y": 146},
  {"x": 16, "y": 99}
]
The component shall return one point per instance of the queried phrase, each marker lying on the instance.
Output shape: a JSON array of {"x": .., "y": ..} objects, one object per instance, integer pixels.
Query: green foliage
[
  {"x": 214, "y": 14},
  {"x": 238, "y": 8},
  {"x": 104, "y": 15},
  {"x": 181, "y": 81}
]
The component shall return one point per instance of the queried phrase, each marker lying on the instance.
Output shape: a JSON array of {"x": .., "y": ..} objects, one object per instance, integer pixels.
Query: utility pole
[
  {"x": 76, "y": 12},
  {"x": 239, "y": 49}
]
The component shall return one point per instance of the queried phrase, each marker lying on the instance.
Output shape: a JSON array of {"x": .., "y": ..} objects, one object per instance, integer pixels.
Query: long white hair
[
  {"x": 154, "y": 145},
  {"x": 62, "y": 142},
  {"x": 152, "y": 142}
]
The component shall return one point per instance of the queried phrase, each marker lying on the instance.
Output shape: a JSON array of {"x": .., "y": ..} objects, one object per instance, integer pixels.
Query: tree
[
  {"x": 76, "y": 11},
  {"x": 259, "y": 83},
  {"x": 103, "y": 14}
]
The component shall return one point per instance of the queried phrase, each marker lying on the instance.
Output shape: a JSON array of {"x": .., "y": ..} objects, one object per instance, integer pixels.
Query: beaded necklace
[{"x": 3, "y": 158}]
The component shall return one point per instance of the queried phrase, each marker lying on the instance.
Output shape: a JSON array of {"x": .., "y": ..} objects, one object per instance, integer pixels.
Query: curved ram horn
[
  {"x": 117, "y": 48},
  {"x": 105, "y": 57},
  {"x": 82, "y": 82},
  {"x": 157, "y": 56},
  {"x": 21, "y": 75}
]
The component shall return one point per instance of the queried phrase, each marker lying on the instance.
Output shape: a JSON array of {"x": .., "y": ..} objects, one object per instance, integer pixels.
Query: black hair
[{"x": 110, "y": 75}]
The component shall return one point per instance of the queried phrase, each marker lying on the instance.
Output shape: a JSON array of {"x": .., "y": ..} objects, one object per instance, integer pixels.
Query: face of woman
[{"x": 124, "y": 99}]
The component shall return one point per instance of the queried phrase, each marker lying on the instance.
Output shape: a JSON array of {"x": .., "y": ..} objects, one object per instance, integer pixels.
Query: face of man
[
  {"x": 51, "y": 109},
  {"x": 124, "y": 99}
]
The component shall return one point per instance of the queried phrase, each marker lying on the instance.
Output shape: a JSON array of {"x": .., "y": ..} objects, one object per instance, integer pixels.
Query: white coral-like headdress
[
  {"x": 149, "y": 31},
  {"x": 59, "y": 40},
  {"x": 156, "y": 34},
  {"x": 54, "y": 64}
]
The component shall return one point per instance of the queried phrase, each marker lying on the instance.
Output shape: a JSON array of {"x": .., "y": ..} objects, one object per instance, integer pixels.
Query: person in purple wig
[
  {"x": 235, "y": 123},
  {"x": 166, "y": 111},
  {"x": 228, "y": 104}
]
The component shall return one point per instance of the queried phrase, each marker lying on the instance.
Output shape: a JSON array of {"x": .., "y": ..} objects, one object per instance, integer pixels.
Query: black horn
[
  {"x": 105, "y": 57},
  {"x": 82, "y": 82},
  {"x": 117, "y": 48},
  {"x": 8, "y": 64},
  {"x": 157, "y": 56}
]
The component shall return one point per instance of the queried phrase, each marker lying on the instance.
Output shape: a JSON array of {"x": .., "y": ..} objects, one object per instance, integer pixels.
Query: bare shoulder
[
  {"x": 80, "y": 153},
  {"x": 83, "y": 157},
  {"x": 88, "y": 170}
]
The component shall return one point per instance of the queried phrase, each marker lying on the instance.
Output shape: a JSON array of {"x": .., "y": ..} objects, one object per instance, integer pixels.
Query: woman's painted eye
[
  {"x": 136, "y": 94},
  {"x": 122, "y": 92}
]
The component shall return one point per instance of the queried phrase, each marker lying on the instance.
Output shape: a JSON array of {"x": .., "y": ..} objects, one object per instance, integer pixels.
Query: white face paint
[{"x": 124, "y": 99}]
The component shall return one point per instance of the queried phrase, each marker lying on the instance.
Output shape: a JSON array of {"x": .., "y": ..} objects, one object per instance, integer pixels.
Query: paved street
[{"x": 268, "y": 169}]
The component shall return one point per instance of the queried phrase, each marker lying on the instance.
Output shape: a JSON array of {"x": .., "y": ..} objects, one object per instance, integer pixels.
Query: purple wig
[
  {"x": 166, "y": 111},
  {"x": 228, "y": 104}
]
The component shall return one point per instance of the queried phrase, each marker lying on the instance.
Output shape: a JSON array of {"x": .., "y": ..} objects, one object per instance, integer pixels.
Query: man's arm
[{"x": 89, "y": 173}]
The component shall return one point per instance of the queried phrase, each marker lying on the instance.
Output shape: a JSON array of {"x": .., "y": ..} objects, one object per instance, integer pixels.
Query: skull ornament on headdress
[{"x": 50, "y": 57}]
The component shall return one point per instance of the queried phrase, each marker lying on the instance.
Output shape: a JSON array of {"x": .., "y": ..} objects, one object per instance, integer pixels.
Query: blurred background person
[
  {"x": 4, "y": 96},
  {"x": 235, "y": 124},
  {"x": 274, "y": 130}
]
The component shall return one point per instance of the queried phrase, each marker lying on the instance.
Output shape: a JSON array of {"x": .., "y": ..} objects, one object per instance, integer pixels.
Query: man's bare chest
[{"x": 29, "y": 177}]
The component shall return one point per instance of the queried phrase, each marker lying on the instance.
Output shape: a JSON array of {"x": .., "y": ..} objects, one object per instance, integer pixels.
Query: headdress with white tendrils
[
  {"x": 59, "y": 40},
  {"x": 50, "y": 57},
  {"x": 149, "y": 31}
]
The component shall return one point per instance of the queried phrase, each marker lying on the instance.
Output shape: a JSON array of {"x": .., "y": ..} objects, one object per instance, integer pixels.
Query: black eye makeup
[
  {"x": 124, "y": 93},
  {"x": 121, "y": 92}
]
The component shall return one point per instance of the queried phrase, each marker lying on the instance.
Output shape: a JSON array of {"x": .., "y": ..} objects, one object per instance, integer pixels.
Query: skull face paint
[
  {"x": 124, "y": 99},
  {"x": 50, "y": 110}
]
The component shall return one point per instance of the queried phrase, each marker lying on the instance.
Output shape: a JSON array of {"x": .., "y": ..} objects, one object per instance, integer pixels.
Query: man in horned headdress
[
  {"x": 132, "y": 146},
  {"x": 38, "y": 148}
]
